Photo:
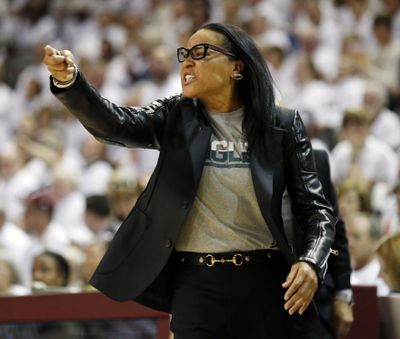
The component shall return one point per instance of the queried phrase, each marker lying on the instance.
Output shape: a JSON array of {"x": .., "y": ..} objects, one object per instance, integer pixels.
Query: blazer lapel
[
  {"x": 198, "y": 141},
  {"x": 196, "y": 134}
]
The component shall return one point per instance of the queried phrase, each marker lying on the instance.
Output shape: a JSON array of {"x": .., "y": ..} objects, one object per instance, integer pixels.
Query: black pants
[
  {"x": 324, "y": 299},
  {"x": 229, "y": 302}
]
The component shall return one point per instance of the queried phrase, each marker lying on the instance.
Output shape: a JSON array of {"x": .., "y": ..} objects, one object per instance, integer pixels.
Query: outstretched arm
[{"x": 141, "y": 127}]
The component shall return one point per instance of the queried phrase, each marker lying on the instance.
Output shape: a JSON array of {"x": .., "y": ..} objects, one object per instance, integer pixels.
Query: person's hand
[
  {"x": 301, "y": 284},
  {"x": 343, "y": 318},
  {"x": 59, "y": 63}
]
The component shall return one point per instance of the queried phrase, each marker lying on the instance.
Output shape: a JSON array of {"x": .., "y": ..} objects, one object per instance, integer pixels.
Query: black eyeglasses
[{"x": 199, "y": 51}]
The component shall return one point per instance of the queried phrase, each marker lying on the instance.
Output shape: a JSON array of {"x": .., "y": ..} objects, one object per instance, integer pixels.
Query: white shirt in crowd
[
  {"x": 377, "y": 161},
  {"x": 369, "y": 275},
  {"x": 16, "y": 244}
]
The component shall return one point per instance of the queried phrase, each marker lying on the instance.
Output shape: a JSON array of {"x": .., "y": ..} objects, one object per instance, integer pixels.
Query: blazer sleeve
[
  {"x": 126, "y": 126},
  {"x": 338, "y": 265},
  {"x": 311, "y": 210}
]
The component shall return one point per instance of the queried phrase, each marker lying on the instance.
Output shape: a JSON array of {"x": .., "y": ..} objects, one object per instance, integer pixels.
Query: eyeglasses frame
[{"x": 206, "y": 47}]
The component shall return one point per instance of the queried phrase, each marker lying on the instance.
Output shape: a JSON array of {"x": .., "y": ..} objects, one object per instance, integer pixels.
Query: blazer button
[
  {"x": 168, "y": 243},
  {"x": 186, "y": 204}
]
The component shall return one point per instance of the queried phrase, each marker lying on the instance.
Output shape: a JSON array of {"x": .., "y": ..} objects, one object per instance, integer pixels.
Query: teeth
[{"x": 189, "y": 77}]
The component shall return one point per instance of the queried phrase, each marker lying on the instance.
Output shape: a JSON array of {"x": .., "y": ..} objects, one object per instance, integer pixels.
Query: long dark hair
[{"x": 256, "y": 88}]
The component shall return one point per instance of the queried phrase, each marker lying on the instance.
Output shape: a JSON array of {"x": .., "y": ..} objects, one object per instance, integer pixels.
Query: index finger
[
  {"x": 51, "y": 51},
  {"x": 69, "y": 58},
  {"x": 289, "y": 283}
]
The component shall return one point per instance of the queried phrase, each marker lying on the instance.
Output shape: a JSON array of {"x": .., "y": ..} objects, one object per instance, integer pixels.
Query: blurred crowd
[{"x": 63, "y": 194}]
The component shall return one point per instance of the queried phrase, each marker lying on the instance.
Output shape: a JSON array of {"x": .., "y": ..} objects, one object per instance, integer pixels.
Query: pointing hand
[{"x": 59, "y": 63}]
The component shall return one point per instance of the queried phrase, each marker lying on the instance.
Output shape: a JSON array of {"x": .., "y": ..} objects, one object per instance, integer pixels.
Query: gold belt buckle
[{"x": 237, "y": 260}]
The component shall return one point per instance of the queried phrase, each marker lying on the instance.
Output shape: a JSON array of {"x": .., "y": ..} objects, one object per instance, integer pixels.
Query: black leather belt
[{"x": 233, "y": 258}]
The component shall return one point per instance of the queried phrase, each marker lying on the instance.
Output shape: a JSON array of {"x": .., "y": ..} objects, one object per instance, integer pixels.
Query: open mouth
[{"x": 188, "y": 78}]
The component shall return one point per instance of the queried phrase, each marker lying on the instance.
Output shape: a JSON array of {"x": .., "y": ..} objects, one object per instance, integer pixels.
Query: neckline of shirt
[{"x": 237, "y": 112}]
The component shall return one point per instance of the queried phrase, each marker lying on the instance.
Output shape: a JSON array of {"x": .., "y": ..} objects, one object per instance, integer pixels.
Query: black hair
[
  {"x": 62, "y": 264},
  {"x": 98, "y": 204},
  {"x": 383, "y": 20},
  {"x": 256, "y": 88}
]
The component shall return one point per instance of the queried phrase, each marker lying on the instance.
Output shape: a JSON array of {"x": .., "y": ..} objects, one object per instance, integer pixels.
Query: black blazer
[{"x": 137, "y": 264}]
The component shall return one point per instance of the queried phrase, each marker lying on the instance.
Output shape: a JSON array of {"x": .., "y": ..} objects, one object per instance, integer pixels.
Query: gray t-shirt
[{"x": 225, "y": 215}]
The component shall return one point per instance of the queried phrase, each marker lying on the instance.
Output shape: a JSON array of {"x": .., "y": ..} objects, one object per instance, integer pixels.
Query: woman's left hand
[{"x": 301, "y": 284}]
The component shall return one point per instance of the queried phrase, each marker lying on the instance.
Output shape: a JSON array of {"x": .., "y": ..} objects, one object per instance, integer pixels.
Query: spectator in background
[
  {"x": 123, "y": 191},
  {"x": 318, "y": 36},
  {"x": 320, "y": 14},
  {"x": 9, "y": 279},
  {"x": 363, "y": 159},
  {"x": 97, "y": 217},
  {"x": 73, "y": 133},
  {"x": 199, "y": 13},
  {"x": 7, "y": 121},
  {"x": 44, "y": 144},
  {"x": 44, "y": 233},
  {"x": 385, "y": 66},
  {"x": 27, "y": 101},
  {"x": 350, "y": 81},
  {"x": 388, "y": 253},
  {"x": 353, "y": 198},
  {"x": 391, "y": 212},
  {"x": 275, "y": 47},
  {"x": 230, "y": 12},
  {"x": 33, "y": 70},
  {"x": 18, "y": 178},
  {"x": 69, "y": 204},
  {"x": 317, "y": 97},
  {"x": 8, "y": 276},
  {"x": 49, "y": 270},
  {"x": 164, "y": 79},
  {"x": 132, "y": 64},
  {"x": 356, "y": 17},
  {"x": 51, "y": 273},
  {"x": 385, "y": 124},
  {"x": 47, "y": 147},
  {"x": 34, "y": 24},
  {"x": 392, "y": 8},
  {"x": 364, "y": 232},
  {"x": 93, "y": 254},
  {"x": 96, "y": 170},
  {"x": 15, "y": 244}
]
